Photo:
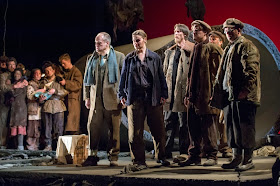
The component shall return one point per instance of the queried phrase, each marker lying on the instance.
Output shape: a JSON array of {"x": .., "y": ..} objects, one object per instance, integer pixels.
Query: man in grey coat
[{"x": 101, "y": 81}]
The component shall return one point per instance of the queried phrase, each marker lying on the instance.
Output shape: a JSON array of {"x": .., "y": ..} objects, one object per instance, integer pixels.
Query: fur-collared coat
[
  {"x": 245, "y": 74},
  {"x": 203, "y": 76},
  {"x": 74, "y": 81},
  {"x": 181, "y": 79}
]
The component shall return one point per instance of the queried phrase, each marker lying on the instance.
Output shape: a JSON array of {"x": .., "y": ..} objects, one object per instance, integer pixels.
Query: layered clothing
[
  {"x": 129, "y": 70},
  {"x": 205, "y": 63},
  {"x": 101, "y": 81}
]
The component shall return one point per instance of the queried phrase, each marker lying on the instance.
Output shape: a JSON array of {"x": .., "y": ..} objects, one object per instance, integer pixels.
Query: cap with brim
[
  {"x": 218, "y": 34},
  {"x": 233, "y": 23},
  {"x": 205, "y": 26}
]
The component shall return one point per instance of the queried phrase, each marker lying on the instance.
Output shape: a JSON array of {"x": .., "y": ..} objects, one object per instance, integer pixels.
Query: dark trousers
[
  {"x": 53, "y": 126},
  {"x": 202, "y": 127},
  {"x": 174, "y": 121},
  {"x": 102, "y": 118},
  {"x": 240, "y": 122},
  {"x": 136, "y": 113}
]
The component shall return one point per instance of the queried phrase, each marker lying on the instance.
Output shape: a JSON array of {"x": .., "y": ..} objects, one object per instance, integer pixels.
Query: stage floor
[{"x": 154, "y": 175}]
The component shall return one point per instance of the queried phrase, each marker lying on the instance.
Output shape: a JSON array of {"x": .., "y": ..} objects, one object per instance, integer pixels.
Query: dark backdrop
[{"x": 43, "y": 30}]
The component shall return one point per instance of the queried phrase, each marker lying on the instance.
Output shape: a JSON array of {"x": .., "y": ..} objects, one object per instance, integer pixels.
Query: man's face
[
  {"x": 17, "y": 75},
  {"x": 100, "y": 44},
  {"x": 178, "y": 36},
  {"x": 11, "y": 66},
  {"x": 198, "y": 33},
  {"x": 231, "y": 33},
  {"x": 66, "y": 63},
  {"x": 37, "y": 75},
  {"x": 49, "y": 71},
  {"x": 215, "y": 40},
  {"x": 3, "y": 65},
  {"x": 138, "y": 42}
]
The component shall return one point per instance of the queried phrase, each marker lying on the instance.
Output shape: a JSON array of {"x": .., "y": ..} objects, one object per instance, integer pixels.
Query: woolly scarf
[{"x": 112, "y": 68}]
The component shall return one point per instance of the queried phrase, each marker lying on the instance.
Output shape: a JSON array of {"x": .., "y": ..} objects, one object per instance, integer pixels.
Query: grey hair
[{"x": 106, "y": 37}]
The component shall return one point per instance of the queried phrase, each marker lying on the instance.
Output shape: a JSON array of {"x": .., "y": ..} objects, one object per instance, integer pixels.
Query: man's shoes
[
  {"x": 245, "y": 167},
  {"x": 226, "y": 154},
  {"x": 190, "y": 161},
  {"x": 233, "y": 164},
  {"x": 163, "y": 162},
  {"x": 90, "y": 161},
  {"x": 113, "y": 164},
  {"x": 48, "y": 148},
  {"x": 180, "y": 158},
  {"x": 210, "y": 162}
]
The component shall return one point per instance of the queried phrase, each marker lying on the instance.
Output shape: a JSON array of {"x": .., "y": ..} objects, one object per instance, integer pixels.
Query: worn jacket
[
  {"x": 55, "y": 104},
  {"x": 74, "y": 81},
  {"x": 18, "y": 115},
  {"x": 159, "y": 88},
  {"x": 202, "y": 77},
  {"x": 244, "y": 76},
  {"x": 181, "y": 79},
  {"x": 110, "y": 91}
]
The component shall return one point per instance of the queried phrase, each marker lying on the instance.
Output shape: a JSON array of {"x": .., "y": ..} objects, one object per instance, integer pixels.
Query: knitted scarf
[{"x": 112, "y": 68}]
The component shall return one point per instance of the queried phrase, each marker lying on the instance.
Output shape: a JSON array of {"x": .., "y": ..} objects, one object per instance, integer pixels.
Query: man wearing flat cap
[
  {"x": 218, "y": 38},
  {"x": 201, "y": 117},
  {"x": 237, "y": 91}
]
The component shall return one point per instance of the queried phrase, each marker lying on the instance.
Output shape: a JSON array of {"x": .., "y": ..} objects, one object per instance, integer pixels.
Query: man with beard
[{"x": 176, "y": 69}]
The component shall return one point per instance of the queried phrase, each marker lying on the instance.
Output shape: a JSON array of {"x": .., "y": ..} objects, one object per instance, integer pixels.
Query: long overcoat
[{"x": 74, "y": 81}]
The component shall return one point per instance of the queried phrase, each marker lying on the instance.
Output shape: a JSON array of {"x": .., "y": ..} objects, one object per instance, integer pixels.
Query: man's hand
[
  {"x": 87, "y": 103},
  {"x": 162, "y": 101},
  {"x": 123, "y": 101},
  {"x": 63, "y": 82}
]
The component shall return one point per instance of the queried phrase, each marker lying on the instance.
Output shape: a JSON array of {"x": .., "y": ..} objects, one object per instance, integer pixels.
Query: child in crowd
[
  {"x": 18, "y": 115},
  {"x": 34, "y": 110},
  {"x": 53, "y": 108}
]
